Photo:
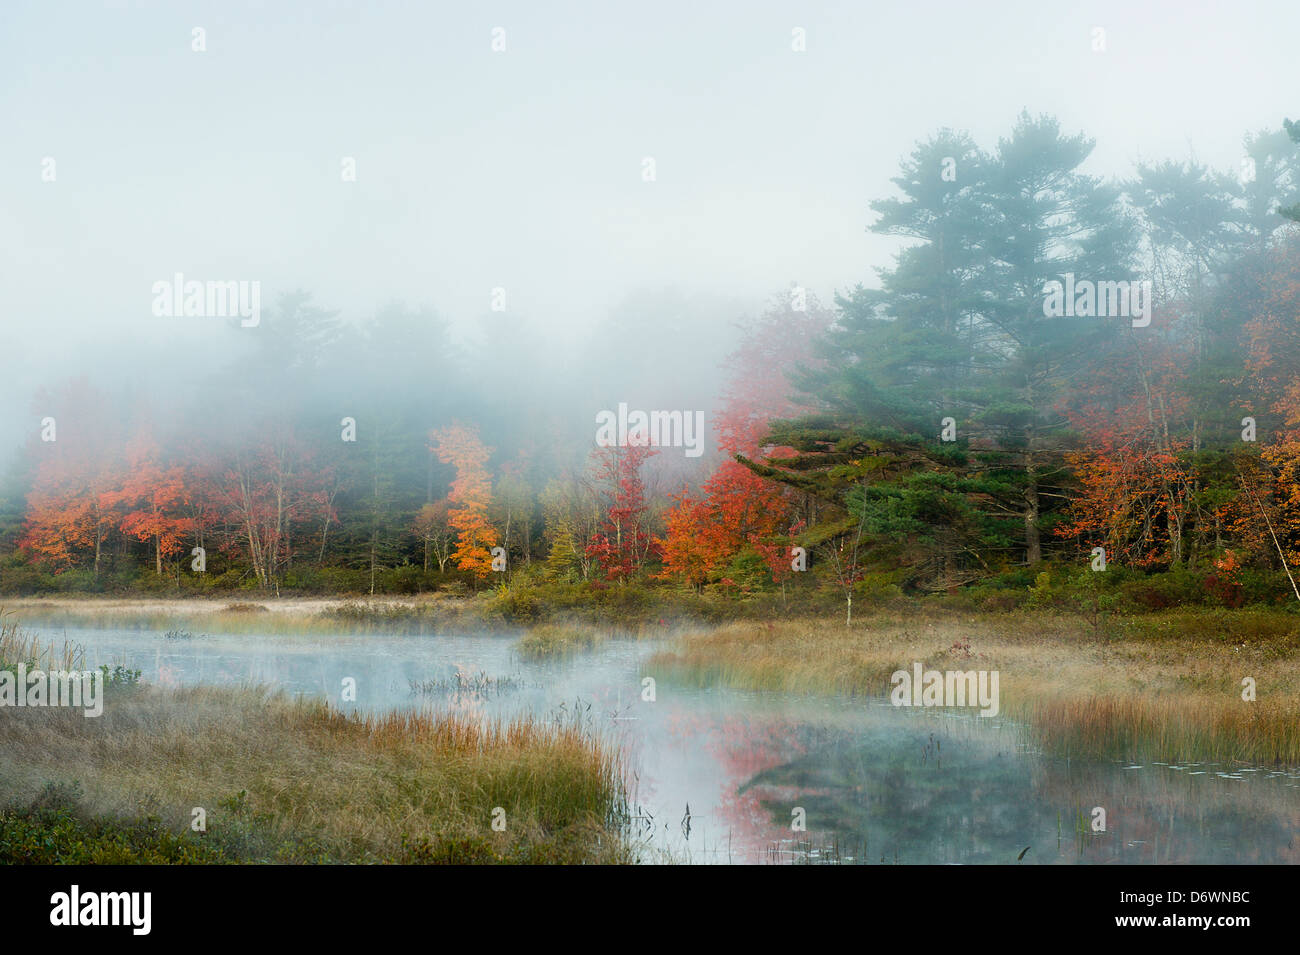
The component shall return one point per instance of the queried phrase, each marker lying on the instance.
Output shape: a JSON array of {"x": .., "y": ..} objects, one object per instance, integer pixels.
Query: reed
[
  {"x": 551, "y": 641},
  {"x": 1158, "y": 687},
  {"x": 284, "y": 779},
  {"x": 21, "y": 646}
]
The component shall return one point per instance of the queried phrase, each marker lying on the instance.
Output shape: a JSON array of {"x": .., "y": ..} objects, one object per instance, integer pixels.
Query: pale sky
[{"x": 523, "y": 169}]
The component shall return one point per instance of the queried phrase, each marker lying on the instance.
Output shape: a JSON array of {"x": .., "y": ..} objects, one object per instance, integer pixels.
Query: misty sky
[{"x": 523, "y": 169}]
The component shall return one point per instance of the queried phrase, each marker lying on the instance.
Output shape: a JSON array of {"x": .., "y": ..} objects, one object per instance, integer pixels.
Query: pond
[{"x": 724, "y": 776}]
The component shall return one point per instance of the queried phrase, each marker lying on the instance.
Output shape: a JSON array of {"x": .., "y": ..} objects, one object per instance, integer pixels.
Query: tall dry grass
[
  {"x": 288, "y": 616},
  {"x": 1162, "y": 687},
  {"x": 20, "y": 646},
  {"x": 363, "y": 788},
  {"x": 281, "y": 772}
]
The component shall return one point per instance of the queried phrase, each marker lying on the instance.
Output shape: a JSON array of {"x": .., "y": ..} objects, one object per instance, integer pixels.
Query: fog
[
  {"x": 520, "y": 172},
  {"x": 666, "y": 392}
]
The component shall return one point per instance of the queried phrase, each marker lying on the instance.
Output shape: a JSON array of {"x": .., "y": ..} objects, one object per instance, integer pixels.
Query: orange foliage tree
[
  {"x": 70, "y": 509},
  {"x": 1272, "y": 489},
  {"x": 1135, "y": 484},
  {"x": 471, "y": 495},
  {"x": 152, "y": 496}
]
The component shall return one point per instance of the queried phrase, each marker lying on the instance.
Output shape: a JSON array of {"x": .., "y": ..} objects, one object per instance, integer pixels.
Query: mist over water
[{"x": 716, "y": 773}]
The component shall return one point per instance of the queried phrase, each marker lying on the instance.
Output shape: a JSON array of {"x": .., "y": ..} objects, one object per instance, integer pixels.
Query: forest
[{"x": 942, "y": 430}]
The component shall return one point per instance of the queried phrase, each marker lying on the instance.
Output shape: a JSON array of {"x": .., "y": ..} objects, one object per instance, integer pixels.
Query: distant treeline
[{"x": 1055, "y": 368}]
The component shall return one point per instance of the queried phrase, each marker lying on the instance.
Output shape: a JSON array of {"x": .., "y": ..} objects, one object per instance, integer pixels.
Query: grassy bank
[
  {"x": 295, "y": 616},
  {"x": 528, "y": 600},
  {"x": 295, "y": 781},
  {"x": 535, "y": 641},
  {"x": 1165, "y": 686},
  {"x": 269, "y": 615},
  {"x": 504, "y": 608}
]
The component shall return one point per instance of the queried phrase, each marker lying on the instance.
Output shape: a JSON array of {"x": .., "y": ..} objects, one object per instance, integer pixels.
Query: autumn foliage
[
  {"x": 622, "y": 542},
  {"x": 470, "y": 497},
  {"x": 737, "y": 510}
]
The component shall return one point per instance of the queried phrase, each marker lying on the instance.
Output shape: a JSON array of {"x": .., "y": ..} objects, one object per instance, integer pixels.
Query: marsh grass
[
  {"x": 553, "y": 641},
  {"x": 286, "y": 617},
  {"x": 550, "y": 641},
  {"x": 479, "y": 685},
  {"x": 432, "y": 615},
  {"x": 313, "y": 783},
  {"x": 504, "y": 609},
  {"x": 296, "y": 780},
  {"x": 289, "y": 616},
  {"x": 21, "y": 646},
  {"x": 1167, "y": 686}
]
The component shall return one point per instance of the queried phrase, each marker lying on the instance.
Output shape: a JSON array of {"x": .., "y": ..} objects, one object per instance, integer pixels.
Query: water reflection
[{"x": 721, "y": 776}]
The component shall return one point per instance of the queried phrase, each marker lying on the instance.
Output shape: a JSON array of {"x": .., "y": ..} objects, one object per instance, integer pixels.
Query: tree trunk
[
  {"x": 374, "y": 539},
  {"x": 1033, "y": 541}
]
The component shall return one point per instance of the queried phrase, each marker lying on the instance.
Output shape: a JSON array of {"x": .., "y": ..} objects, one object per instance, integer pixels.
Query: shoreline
[{"x": 216, "y": 604}]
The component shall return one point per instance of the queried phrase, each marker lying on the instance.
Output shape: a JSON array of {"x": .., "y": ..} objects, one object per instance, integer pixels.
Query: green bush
[
  {"x": 516, "y": 603},
  {"x": 407, "y": 579},
  {"x": 52, "y": 831},
  {"x": 1267, "y": 588}
]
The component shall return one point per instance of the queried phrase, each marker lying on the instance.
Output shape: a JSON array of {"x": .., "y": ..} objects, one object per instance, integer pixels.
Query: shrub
[{"x": 516, "y": 603}]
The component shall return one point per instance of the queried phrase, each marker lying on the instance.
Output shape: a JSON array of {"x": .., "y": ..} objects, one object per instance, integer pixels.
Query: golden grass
[
  {"x": 553, "y": 640},
  {"x": 1162, "y": 687},
  {"x": 21, "y": 646},
  {"x": 287, "y": 616},
  {"x": 360, "y": 789}
]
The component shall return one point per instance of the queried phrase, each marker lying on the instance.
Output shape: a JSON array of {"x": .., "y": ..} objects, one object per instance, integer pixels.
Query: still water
[{"x": 722, "y": 775}]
